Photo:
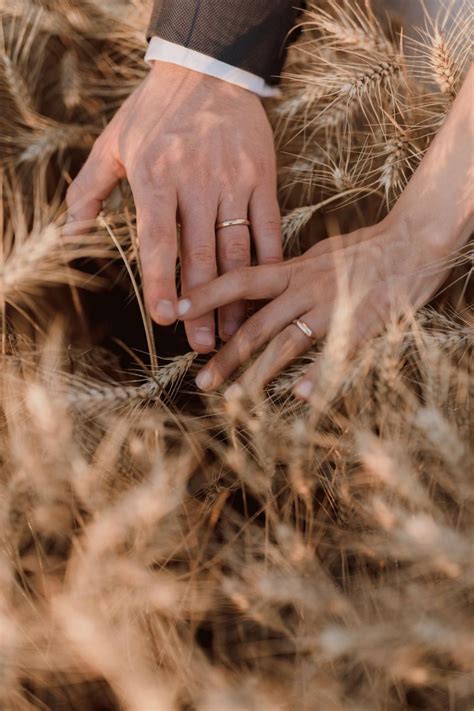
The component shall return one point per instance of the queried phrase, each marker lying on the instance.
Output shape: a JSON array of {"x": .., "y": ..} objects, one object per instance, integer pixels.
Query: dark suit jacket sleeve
[{"x": 249, "y": 34}]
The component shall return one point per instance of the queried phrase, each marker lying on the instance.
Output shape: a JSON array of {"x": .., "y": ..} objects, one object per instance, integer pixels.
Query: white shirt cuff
[{"x": 176, "y": 54}]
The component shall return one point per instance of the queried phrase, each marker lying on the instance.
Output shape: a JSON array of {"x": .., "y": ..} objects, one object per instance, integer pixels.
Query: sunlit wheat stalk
[
  {"x": 87, "y": 396},
  {"x": 46, "y": 259},
  {"x": 164, "y": 549}
]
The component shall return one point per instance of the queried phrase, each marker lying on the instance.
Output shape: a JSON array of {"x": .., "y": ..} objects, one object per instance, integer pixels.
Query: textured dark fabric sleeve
[{"x": 249, "y": 34}]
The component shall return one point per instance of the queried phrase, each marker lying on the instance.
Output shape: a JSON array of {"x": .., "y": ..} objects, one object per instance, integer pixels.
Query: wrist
[
  {"x": 178, "y": 75},
  {"x": 438, "y": 203},
  {"x": 162, "y": 70},
  {"x": 436, "y": 208},
  {"x": 165, "y": 52},
  {"x": 439, "y": 231}
]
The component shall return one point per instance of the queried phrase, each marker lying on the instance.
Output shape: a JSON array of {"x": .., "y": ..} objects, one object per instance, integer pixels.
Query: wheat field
[{"x": 162, "y": 550}]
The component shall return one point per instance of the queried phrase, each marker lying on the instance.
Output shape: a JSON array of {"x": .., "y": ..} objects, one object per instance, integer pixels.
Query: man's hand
[{"x": 196, "y": 150}]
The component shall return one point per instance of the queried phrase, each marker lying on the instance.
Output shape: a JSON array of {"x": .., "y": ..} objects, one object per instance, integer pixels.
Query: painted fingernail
[
  {"x": 304, "y": 389},
  {"x": 234, "y": 392},
  {"x": 230, "y": 327},
  {"x": 183, "y": 307},
  {"x": 204, "y": 380},
  {"x": 166, "y": 309},
  {"x": 204, "y": 336}
]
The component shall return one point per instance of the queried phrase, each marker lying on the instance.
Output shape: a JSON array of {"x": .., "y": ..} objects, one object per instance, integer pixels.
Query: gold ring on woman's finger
[{"x": 304, "y": 328}]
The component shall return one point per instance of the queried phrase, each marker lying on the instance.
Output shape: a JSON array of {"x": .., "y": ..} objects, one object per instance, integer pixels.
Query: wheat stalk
[
  {"x": 71, "y": 81},
  {"x": 46, "y": 259},
  {"x": 443, "y": 66},
  {"x": 89, "y": 397},
  {"x": 344, "y": 25},
  {"x": 321, "y": 555}
]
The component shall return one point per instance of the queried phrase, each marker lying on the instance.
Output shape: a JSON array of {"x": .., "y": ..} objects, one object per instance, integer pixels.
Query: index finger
[
  {"x": 157, "y": 233},
  {"x": 249, "y": 283},
  {"x": 93, "y": 184}
]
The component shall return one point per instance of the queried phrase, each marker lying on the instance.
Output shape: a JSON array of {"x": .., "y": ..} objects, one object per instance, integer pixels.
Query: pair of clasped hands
[{"x": 199, "y": 151}]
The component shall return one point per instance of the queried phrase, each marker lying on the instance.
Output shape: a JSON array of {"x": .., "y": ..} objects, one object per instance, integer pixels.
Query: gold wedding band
[
  {"x": 232, "y": 223},
  {"x": 304, "y": 328}
]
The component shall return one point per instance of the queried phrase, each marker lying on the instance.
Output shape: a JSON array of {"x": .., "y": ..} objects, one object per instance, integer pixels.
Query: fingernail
[
  {"x": 304, "y": 389},
  {"x": 234, "y": 392},
  {"x": 230, "y": 327},
  {"x": 183, "y": 307},
  {"x": 166, "y": 309},
  {"x": 204, "y": 380},
  {"x": 204, "y": 336}
]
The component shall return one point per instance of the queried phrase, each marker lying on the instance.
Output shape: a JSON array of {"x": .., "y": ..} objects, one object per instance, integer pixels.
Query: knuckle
[
  {"x": 76, "y": 191},
  {"x": 148, "y": 179},
  {"x": 103, "y": 151},
  {"x": 255, "y": 167},
  {"x": 72, "y": 193},
  {"x": 235, "y": 250},
  {"x": 197, "y": 171},
  {"x": 101, "y": 146},
  {"x": 271, "y": 227},
  {"x": 206, "y": 175},
  {"x": 202, "y": 254},
  {"x": 252, "y": 179},
  {"x": 252, "y": 330},
  {"x": 151, "y": 205},
  {"x": 263, "y": 165}
]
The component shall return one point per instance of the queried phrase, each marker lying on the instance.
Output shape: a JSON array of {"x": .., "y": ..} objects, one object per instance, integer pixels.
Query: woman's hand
[
  {"x": 372, "y": 273},
  {"x": 379, "y": 271},
  {"x": 197, "y": 150}
]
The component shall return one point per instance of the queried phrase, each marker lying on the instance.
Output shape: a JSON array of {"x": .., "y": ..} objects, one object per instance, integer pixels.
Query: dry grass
[{"x": 160, "y": 550}]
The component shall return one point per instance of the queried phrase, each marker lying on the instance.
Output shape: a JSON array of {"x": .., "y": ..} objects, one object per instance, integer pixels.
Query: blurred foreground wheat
[{"x": 160, "y": 550}]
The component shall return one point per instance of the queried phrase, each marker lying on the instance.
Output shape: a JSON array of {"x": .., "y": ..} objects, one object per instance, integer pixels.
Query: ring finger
[
  {"x": 233, "y": 251},
  {"x": 288, "y": 345},
  {"x": 252, "y": 336},
  {"x": 366, "y": 322}
]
